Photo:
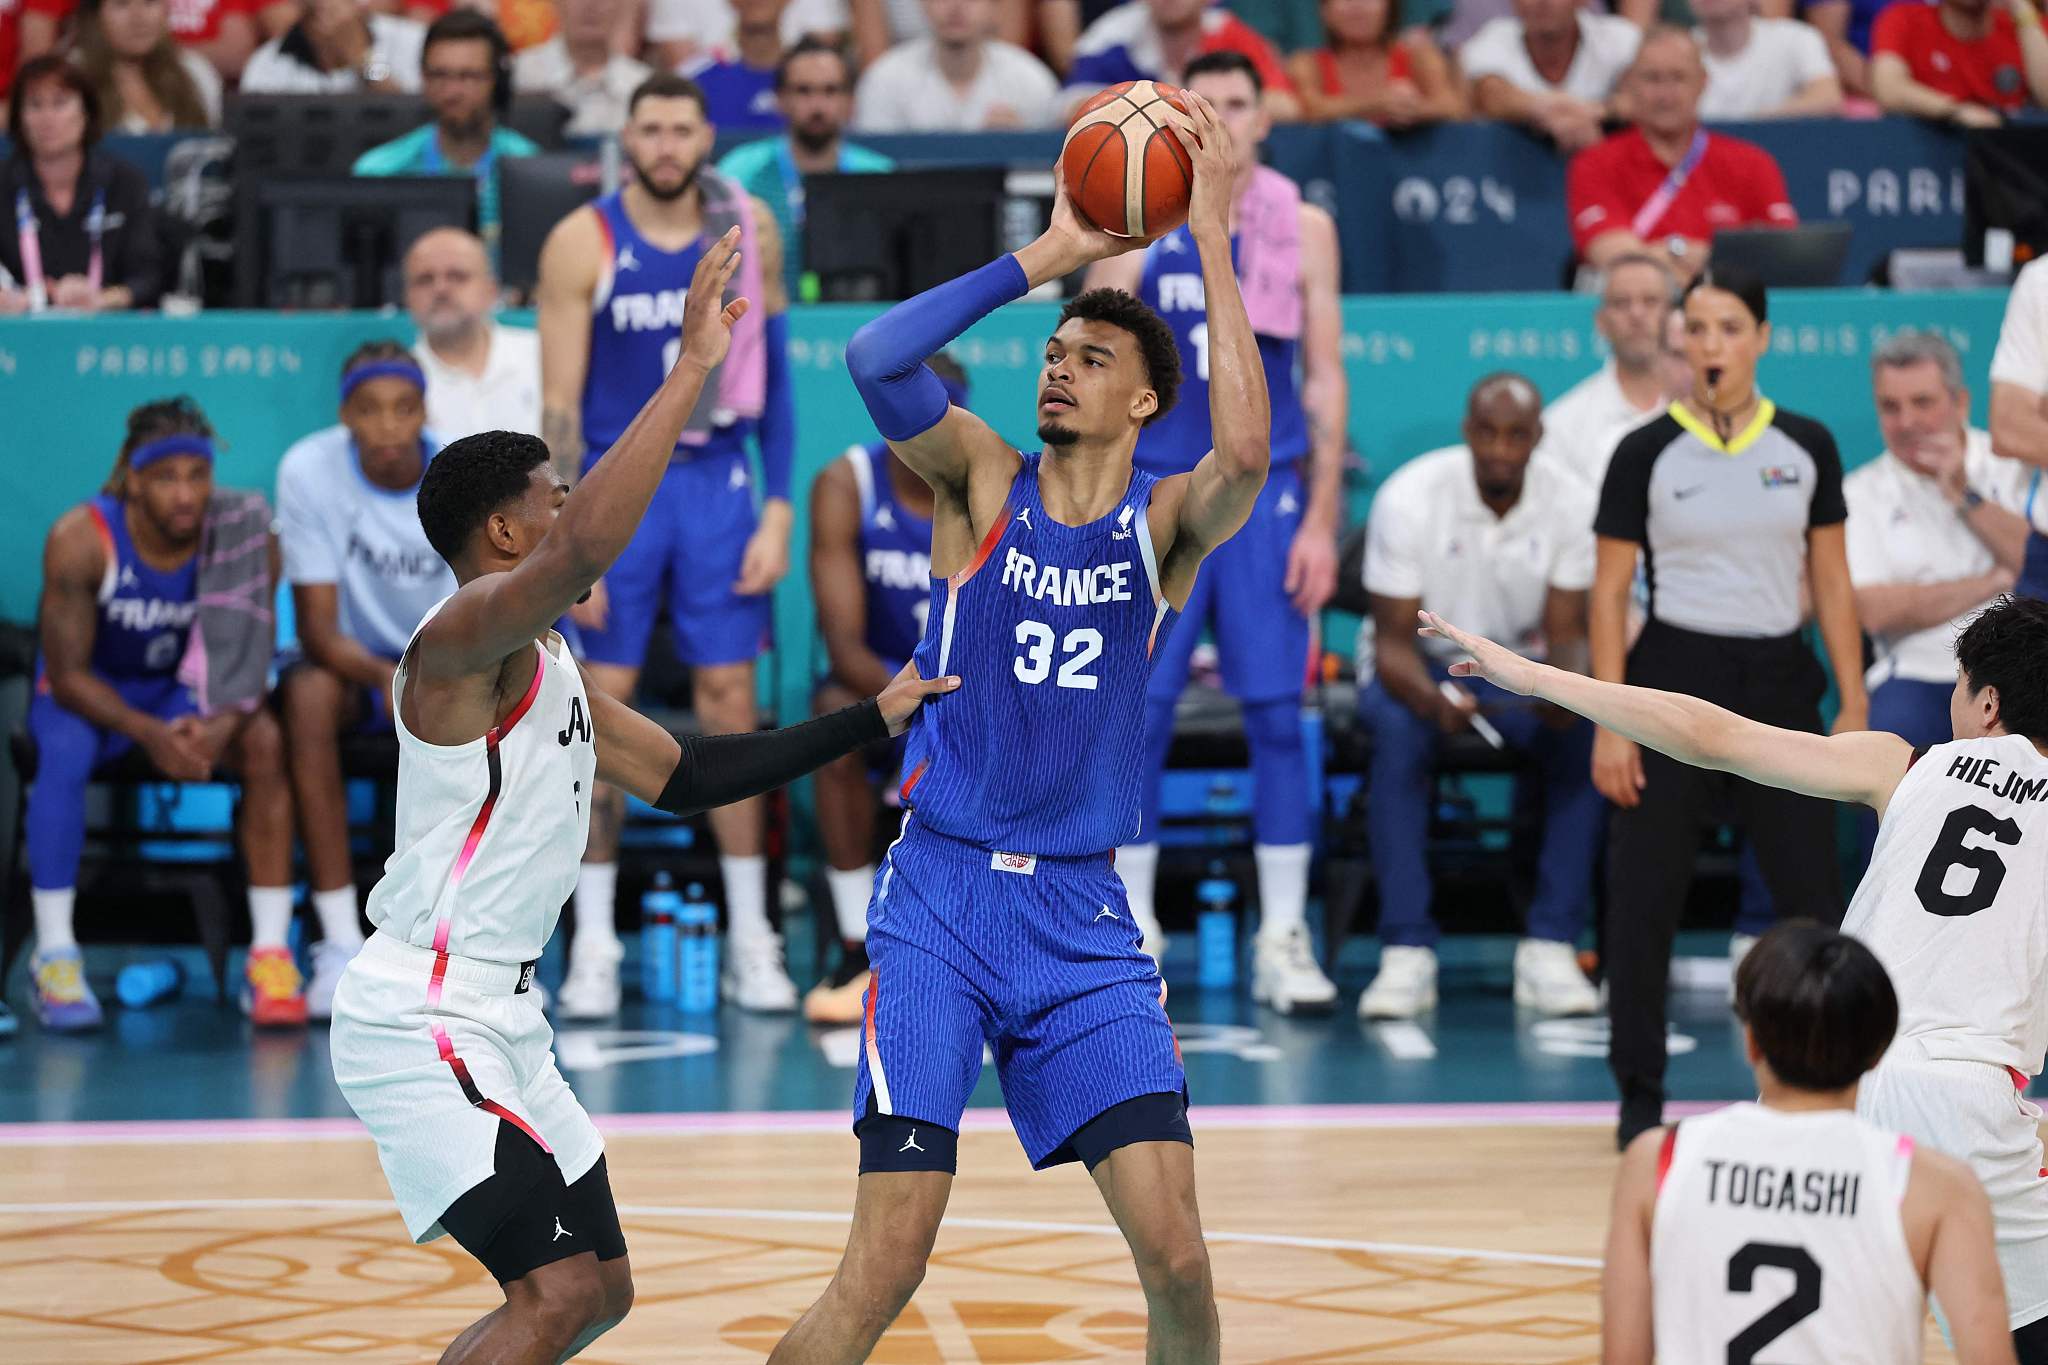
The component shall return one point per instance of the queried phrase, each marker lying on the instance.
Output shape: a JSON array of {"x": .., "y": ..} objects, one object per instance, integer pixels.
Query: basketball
[{"x": 1124, "y": 169}]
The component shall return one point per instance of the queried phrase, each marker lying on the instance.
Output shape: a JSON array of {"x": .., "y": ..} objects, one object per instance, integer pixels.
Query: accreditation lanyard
[
  {"x": 32, "y": 279},
  {"x": 1654, "y": 208}
]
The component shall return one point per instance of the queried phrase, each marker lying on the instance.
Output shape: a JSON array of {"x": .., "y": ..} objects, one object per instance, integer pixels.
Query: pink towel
[
  {"x": 740, "y": 388},
  {"x": 1269, "y": 254}
]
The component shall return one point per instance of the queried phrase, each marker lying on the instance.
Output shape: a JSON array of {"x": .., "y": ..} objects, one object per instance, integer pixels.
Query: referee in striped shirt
[{"x": 1732, "y": 501}]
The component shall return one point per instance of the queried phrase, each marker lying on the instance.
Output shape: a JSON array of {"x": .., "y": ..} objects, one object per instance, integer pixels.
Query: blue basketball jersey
[
  {"x": 636, "y": 330},
  {"x": 1172, "y": 287},
  {"x": 1051, "y": 629},
  {"x": 145, "y": 614},
  {"x": 895, "y": 557}
]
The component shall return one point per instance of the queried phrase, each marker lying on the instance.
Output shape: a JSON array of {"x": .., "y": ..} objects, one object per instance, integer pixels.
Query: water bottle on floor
[
  {"x": 660, "y": 907},
  {"x": 697, "y": 932},
  {"x": 1216, "y": 929},
  {"x": 142, "y": 984}
]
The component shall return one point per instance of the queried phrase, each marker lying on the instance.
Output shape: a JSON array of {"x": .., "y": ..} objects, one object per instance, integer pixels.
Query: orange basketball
[{"x": 1124, "y": 169}]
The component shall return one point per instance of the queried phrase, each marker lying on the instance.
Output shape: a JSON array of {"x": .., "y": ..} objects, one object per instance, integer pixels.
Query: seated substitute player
[
  {"x": 438, "y": 1044},
  {"x": 1790, "y": 1229},
  {"x": 120, "y": 594},
  {"x": 1955, "y": 901},
  {"x": 998, "y": 919},
  {"x": 871, "y": 576},
  {"x": 362, "y": 576}
]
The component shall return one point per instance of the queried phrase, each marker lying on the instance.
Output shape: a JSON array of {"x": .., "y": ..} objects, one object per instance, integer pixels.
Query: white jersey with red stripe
[
  {"x": 1955, "y": 904},
  {"x": 491, "y": 833},
  {"x": 1778, "y": 1237}
]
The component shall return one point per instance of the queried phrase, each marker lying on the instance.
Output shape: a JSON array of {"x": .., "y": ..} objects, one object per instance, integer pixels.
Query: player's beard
[
  {"x": 1053, "y": 434},
  {"x": 814, "y": 137},
  {"x": 687, "y": 183}
]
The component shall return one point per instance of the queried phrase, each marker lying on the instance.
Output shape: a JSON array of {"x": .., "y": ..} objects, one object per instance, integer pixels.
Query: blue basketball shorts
[
  {"x": 686, "y": 556},
  {"x": 1240, "y": 597},
  {"x": 1035, "y": 958},
  {"x": 68, "y": 749}
]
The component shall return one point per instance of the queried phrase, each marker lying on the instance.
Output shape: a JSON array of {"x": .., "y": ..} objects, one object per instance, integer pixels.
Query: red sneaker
[{"x": 274, "y": 995}]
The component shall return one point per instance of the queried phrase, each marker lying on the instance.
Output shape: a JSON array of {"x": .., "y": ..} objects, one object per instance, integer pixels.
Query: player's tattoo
[{"x": 559, "y": 428}]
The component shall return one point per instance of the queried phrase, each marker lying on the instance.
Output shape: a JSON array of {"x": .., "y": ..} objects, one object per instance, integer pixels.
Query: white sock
[
  {"x": 746, "y": 895},
  {"x": 1138, "y": 865},
  {"x": 337, "y": 913},
  {"x": 596, "y": 902},
  {"x": 53, "y": 918},
  {"x": 1283, "y": 886},
  {"x": 270, "y": 916},
  {"x": 850, "y": 892}
]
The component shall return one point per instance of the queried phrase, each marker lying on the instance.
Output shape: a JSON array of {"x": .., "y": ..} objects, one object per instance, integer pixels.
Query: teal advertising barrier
[{"x": 266, "y": 379}]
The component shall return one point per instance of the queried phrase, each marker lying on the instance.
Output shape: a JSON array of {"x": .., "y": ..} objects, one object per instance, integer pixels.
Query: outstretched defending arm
[{"x": 1863, "y": 766}]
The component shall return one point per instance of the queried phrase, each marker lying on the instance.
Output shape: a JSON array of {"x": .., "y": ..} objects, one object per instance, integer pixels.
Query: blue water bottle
[
  {"x": 697, "y": 930},
  {"x": 658, "y": 912},
  {"x": 142, "y": 984},
  {"x": 1216, "y": 929}
]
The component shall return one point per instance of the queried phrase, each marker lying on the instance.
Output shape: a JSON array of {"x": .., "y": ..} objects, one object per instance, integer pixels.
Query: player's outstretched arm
[
  {"x": 562, "y": 296},
  {"x": 704, "y": 772},
  {"x": 1627, "y": 1324},
  {"x": 1220, "y": 491},
  {"x": 497, "y": 613},
  {"x": 887, "y": 356},
  {"x": 1962, "y": 1261},
  {"x": 1863, "y": 766}
]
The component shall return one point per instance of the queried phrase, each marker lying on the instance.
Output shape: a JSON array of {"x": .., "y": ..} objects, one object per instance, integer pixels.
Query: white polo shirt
[
  {"x": 1581, "y": 426},
  {"x": 1430, "y": 537},
  {"x": 1783, "y": 57},
  {"x": 1607, "y": 44},
  {"x": 1902, "y": 530},
  {"x": 505, "y": 397},
  {"x": 2022, "y": 354}
]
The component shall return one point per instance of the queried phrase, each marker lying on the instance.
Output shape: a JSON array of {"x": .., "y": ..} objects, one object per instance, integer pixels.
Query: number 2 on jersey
[
  {"x": 1034, "y": 664},
  {"x": 1792, "y": 1310}
]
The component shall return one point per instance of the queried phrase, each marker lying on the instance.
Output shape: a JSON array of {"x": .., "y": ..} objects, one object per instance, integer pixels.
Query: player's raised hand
[
  {"x": 906, "y": 692},
  {"x": 1209, "y": 146},
  {"x": 707, "y": 320},
  {"x": 1497, "y": 664},
  {"x": 1080, "y": 243}
]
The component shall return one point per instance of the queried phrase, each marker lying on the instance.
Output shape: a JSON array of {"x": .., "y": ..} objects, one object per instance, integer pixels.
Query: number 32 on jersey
[{"x": 1078, "y": 648}]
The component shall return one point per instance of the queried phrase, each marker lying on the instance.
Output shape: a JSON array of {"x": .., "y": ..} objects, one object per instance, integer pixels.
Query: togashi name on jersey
[{"x": 1782, "y": 1189}]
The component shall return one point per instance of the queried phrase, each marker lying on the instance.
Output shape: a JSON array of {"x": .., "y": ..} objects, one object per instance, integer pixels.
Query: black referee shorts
[{"x": 525, "y": 1216}]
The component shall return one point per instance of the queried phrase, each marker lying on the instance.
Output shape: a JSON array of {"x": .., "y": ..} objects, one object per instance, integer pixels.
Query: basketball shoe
[
  {"x": 64, "y": 1002},
  {"x": 273, "y": 991},
  {"x": 1285, "y": 975}
]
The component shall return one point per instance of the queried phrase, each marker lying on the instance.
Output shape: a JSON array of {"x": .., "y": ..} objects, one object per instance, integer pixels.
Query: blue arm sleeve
[
  {"x": 887, "y": 355},
  {"x": 778, "y": 413}
]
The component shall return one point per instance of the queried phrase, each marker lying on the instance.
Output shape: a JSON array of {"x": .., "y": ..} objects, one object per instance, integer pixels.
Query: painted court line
[
  {"x": 982, "y": 1120},
  {"x": 1407, "y": 1042},
  {"x": 1272, "y": 1239}
]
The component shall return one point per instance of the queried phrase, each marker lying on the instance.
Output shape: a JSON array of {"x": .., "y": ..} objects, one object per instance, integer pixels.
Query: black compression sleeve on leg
[
  {"x": 717, "y": 770},
  {"x": 2030, "y": 1342}
]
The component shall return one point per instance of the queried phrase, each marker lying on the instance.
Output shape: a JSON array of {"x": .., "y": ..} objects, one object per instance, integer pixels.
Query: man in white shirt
[
  {"x": 1935, "y": 532},
  {"x": 1763, "y": 68},
  {"x": 1479, "y": 528},
  {"x": 481, "y": 375},
  {"x": 1581, "y": 427},
  {"x": 680, "y": 31},
  {"x": 363, "y": 576},
  {"x": 961, "y": 78},
  {"x": 579, "y": 68},
  {"x": 1553, "y": 67},
  {"x": 339, "y": 47},
  {"x": 2019, "y": 403}
]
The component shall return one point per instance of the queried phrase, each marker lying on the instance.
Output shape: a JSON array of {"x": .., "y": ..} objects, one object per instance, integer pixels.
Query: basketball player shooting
[
  {"x": 997, "y": 917},
  {"x": 437, "y": 1043},
  {"x": 1954, "y": 904}
]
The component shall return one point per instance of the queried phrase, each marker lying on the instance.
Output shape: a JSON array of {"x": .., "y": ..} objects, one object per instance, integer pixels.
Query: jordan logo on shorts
[
  {"x": 1105, "y": 910},
  {"x": 910, "y": 1143},
  {"x": 560, "y": 1231}
]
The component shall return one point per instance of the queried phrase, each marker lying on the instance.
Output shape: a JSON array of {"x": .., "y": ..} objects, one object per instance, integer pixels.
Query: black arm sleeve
[
  {"x": 717, "y": 770},
  {"x": 1624, "y": 510}
]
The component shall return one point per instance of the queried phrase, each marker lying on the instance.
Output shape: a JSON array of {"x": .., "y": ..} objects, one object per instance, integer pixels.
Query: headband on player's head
[
  {"x": 382, "y": 369},
  {"x": 184, "y": 443}
]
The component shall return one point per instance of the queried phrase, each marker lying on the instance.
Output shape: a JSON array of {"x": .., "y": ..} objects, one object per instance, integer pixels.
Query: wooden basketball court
[{"x": 1337, "y": 1235}]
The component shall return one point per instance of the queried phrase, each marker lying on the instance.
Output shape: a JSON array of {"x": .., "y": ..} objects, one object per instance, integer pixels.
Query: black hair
[
  {"x": 1732, "y": 279},
  {"x": 179, "y": 416},
  {"x": 811, "y": 45},
  {"x": 472, "y": 478},
  {"x": 468, "y": 26},
  {"x": 372, "y": 351},
  {"x": 53, "y": 66},
  {"x": 1155, "y": 339},
  {"x": 666, "y": 85},
  {"x": 1224, "y": 62},
  {"x": 1818, "y": 1003},
  {"x": 2006, "y": 647},
  {"x": 945, "y": 367}
]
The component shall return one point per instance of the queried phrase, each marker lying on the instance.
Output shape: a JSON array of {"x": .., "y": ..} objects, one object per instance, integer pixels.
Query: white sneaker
[
  {"x": 1405, "y": 986},
  {"x": 1548, "y": 979},
  {"x": 329, "y": 960},
  {"x": 1285, "y": 975},
  {"x": 1738, "y": 948},
  {"x": 754, "y": 977},
  {"x": 590, "y": 989}
]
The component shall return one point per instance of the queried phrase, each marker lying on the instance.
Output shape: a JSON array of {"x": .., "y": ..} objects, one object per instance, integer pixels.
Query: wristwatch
[
  {"x": 1972, "y": 499},
  {"x": 1677, "y": 245},
  {"x": 374, "y": 70}
]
